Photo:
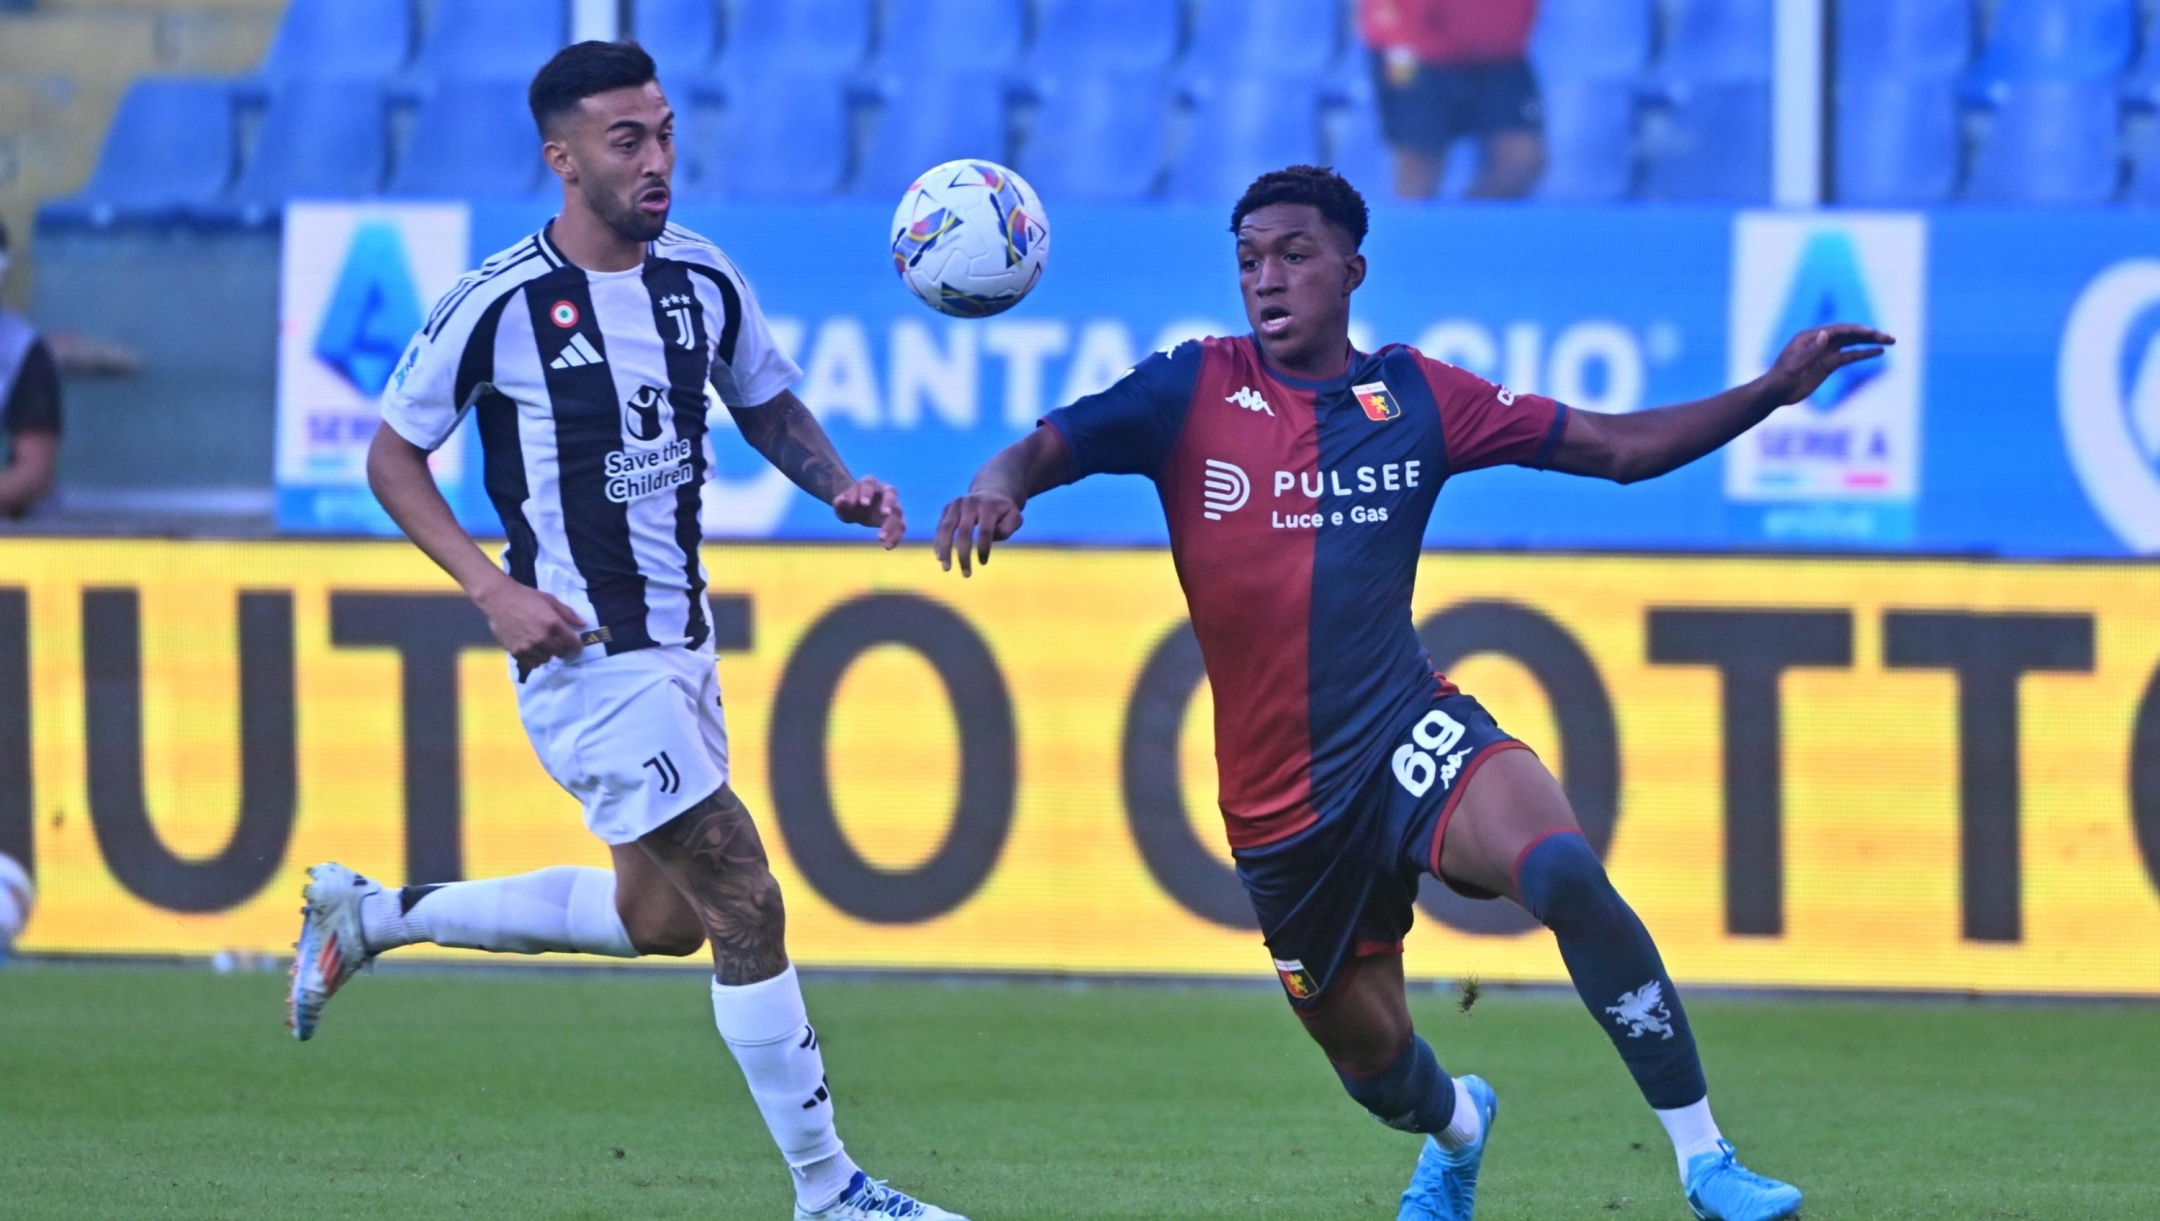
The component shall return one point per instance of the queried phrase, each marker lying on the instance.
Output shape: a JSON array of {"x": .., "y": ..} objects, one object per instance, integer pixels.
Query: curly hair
[{"x": 1319, "y": 186}]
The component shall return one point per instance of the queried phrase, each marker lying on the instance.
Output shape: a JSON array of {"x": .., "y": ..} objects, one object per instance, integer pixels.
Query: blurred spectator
[
  {"x": 30, "y": 392},
  {"x": 1447, "y": 70}
]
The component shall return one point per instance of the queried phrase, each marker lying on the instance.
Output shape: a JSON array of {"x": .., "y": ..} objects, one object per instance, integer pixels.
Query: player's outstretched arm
[
  {"x": 1646, "y": 444},
  {"x": 990, "y": 512},
  {"x": 792, "y": 440},
  {"x": 532, "y": 626}
]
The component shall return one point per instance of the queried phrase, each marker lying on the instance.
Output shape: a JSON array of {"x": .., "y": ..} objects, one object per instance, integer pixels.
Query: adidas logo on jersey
[
  {"x": 576, "y": 354},
  {"x": 1250, "y": 400}
]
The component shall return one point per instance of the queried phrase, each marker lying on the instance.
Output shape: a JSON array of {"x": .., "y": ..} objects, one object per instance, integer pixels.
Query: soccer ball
[
  {"x": 970, "y": 238},
  {"x": 17, "y": 895}
]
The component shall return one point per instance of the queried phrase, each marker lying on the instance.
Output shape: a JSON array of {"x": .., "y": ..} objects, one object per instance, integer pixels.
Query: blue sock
[
  {"x": 1413, "y": 1094},
  {"x": 1615, "y": 966}
]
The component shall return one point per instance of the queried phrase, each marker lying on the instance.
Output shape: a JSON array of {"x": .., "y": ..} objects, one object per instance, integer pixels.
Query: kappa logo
[
  {"x": 1225, "y": 489},
  {"x": 576, "y": 354},
  {"x": 1296, "y": 980},
  {"x": 1643, "y": 1011},
  {"x": 1250, "y": 400},
  {"x": 1379, "y": 405}
]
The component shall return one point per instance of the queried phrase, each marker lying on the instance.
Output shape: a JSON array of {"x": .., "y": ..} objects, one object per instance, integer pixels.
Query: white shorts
[{"x": 637, "y": 738}]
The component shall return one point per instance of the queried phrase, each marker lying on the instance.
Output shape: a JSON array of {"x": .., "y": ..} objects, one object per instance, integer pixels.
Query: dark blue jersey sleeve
[{"x": 1130, "y": 428}]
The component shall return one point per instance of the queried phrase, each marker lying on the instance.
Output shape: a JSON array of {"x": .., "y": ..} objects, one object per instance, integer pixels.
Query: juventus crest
[{"x": 677, "y": 306}]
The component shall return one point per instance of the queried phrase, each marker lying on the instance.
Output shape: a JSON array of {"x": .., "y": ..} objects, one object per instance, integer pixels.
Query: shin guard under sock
[
  {"x": 1414, "y": 1094},
  {"x": 1615, "y": 967}
]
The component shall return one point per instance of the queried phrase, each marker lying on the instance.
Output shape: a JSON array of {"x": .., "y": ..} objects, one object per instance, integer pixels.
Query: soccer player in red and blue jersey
[{"x": 1298, "y": 474}]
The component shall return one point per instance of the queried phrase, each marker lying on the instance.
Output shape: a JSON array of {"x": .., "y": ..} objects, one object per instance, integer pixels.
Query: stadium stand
[
  {"x": 804, "y": 37},
  {"x": 1913, "y": 39},
  {"x": 1292, "y": 37},
  {"x": 1091, "y": 37},
  {"x": 1898, "y": 141},
  {"x": 984, "y": 37},
  {"x": 325, "y": 138},
  {"x": 1709, "y": 138},
  {"x": 172, "y": 147},
  {"x": 470, "y": 138},
  {"x": 1239, "y": 128},
  {"x": 2067, "y": 40},
  {"x": 1589, "y": 56},
  {"x": 1096, "y": 136},
  {"x": 682, "y": 35},
  {"x": 2051, "y": 142},
  {"x": 345, "y": 39},
  {"x": 490, "y": 39},
  {"x": 770, "y": 134},
  {"x": 925, "y": 119}
]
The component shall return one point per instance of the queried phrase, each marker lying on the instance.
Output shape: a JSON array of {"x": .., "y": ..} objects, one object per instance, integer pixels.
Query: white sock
[
  {"x": 1693, "y": 1132},
  {"x": 1465, "y": 1125},
  {"x": 567, "y": 909},
  {"x": 769, "y": 1031}
]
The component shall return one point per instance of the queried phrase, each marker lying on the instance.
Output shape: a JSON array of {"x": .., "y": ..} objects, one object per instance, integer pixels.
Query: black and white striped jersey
[{"x": 590, "y": 389}]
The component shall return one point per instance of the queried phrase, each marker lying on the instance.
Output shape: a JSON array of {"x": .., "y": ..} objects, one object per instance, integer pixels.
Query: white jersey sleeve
[
  {"x": 748, "y": 367},
  {"x": 452, "y": 360}
]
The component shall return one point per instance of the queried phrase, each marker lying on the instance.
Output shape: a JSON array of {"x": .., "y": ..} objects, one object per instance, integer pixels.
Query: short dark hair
[
  {"x": 581, "y": 70},
  {"x": 1317, "y": 185}
]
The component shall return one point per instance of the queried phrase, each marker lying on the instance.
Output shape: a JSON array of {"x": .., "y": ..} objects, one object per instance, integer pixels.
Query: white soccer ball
[
  {"x": 17, "y": 896},
  {"x": 970, "y": 238}
]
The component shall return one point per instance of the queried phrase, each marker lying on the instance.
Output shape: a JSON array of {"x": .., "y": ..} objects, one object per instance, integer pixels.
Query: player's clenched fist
[
  {"x": 1813, "y": 355},
  {"x": 971, "y": 524},
  {"x": 872, "y": 502},
  {"x": 533, "y": 626}
]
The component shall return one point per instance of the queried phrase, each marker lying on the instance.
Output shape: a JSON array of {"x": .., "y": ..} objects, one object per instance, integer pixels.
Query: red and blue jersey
[{"x": 1297, "y": 509}]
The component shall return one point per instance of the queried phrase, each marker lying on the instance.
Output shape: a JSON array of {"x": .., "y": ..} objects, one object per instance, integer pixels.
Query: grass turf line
[{"x": 147, "y": 1092}]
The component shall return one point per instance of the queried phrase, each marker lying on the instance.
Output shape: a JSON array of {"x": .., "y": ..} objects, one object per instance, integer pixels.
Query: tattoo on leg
[{"x": 712, "y": 851}]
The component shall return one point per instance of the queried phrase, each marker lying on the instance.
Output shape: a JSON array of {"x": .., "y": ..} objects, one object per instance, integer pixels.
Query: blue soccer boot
[
  {"x": 1444, "y": 1186},
  {"x": 1719, "y": 1188}
]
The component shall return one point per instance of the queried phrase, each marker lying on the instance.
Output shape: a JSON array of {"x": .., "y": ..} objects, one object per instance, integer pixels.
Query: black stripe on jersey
[
  {"x": 501, "y": 452},
  {"x": 588, "y": 428},
  {"x": 731, "y": 306},
  {"x": 686, "y": 367},
  {"x": 493, "y": 269}
]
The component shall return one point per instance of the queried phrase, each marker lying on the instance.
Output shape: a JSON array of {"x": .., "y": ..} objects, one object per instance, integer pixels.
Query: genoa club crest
[
  {"x": 1296, "y": 980},
  {"x": 1377, "y": 402}
]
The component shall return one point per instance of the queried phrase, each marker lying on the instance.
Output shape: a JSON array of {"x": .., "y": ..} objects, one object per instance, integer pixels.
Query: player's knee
[
  {"x": 673, "y": 939},
  {"x": 1562, "y": 882},
  {"x": 1409, "y": 1091}
]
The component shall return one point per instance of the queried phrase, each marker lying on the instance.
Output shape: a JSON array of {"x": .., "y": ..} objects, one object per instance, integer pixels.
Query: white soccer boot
[
  {"x": 868, "y": 1199},
  {"x": 331, "y": 948}
]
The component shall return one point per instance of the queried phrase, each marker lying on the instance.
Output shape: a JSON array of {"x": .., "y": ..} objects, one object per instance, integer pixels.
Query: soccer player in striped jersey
[
  {"x": 1297, "y": 475},
  {"x": 586, "y": 352}
]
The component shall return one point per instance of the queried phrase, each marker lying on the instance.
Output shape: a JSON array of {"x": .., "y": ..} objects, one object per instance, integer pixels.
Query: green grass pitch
[{"x": 170, "y": 1093}]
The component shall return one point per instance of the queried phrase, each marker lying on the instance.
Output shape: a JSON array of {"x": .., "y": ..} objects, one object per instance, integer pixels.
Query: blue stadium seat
[
  {"x": 1593, "y": 39},
  {"x": 1713, "y": 143},
  {"x": 1241, "y": 127},
  {"x": 681, "y": 35},
  {"x": 1104, "y": 36},
  {"x": 778, "y": 135},
  {"x": 470, "y": 137},
  {"x": 171, "y": 146},
  {"x": 1907, "y": 38},
  {"x": 2052, "y": 142},
  {"x": 2145, "y": 166},
  {"x": 978, "y": 36},
  {"x": 1718, "y": 40},
  {"x": 928, "y": 118},
  {"x": 366, "y": 39},
  {"x": 1356, "y": 149},
  {"x": 1284, "y": 37},
  {"x": 492, "y": 39},
  {"x": 325, "y": 138},
  {"x": 1097, "y": 136},
  {"x": 817, "y": 37},
  {"x": 1589, "y": 140},
  {"x": 2071, "y": 40},
  {"x": 1898, "y": 141}
]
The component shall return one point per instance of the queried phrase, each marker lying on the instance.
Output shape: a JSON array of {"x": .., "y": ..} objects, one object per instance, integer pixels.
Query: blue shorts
[{"x": 1346, "y": 887}]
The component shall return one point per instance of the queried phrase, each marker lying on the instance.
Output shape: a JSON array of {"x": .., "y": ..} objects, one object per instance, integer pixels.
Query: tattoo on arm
[
  {"x": 792, "y": 440},
  {"x": 714, "y": 856}
]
